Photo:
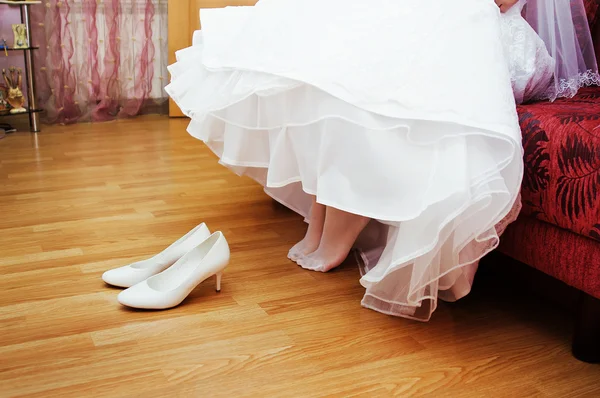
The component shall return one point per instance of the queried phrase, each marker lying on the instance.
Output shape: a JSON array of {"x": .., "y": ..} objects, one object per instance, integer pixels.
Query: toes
[
  {"x": 317, "y": 262},
  {"x": 326, "y": 267},
  {"x": 313, "y": 263},
  {"x": 296, "y": 251},
  {"x": 307, "y": 262},
  {"x": 293, "y": 254},
  {"x": 302, "y": 261}
]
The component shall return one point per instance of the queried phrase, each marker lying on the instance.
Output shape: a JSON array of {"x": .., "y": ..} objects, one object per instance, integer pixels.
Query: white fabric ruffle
[{"x": 438, "y": 171}]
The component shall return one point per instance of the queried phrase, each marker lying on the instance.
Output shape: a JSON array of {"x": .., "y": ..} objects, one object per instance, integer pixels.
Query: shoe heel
[{"x": 219, "y": 275}]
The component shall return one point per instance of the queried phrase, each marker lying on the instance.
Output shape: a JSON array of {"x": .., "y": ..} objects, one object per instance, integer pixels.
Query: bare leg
[
  {"x": 311, "y": 240},
  {"x": 339, "y": 234}
]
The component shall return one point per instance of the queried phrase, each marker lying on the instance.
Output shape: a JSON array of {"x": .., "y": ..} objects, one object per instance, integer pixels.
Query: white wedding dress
[
  {"x": 531, "y": 66},
  {"x": 399, "y": 110}
]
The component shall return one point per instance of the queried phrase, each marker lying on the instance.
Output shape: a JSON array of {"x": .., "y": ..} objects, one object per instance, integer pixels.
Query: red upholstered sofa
[{"x": 558, "y": 231}]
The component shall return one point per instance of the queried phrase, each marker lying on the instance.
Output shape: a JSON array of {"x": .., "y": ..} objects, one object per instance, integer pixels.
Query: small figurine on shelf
[
  {"x": 3, "y": 96},
  {"x": 15, "y": 95},
  {"x": 4, "y": 46},
  {"x": 20, "y": 32}
]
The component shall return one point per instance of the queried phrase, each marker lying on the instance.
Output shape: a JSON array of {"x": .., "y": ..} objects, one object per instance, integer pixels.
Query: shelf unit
[{"x": 33, "y": 111}]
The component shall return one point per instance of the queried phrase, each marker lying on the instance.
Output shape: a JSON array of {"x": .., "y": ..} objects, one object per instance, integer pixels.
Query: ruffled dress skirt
[{"x": 398, "y": 110}]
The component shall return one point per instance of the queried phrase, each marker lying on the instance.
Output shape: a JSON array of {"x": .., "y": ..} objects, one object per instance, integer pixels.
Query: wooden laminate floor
[{"x": 77, "y": 200}]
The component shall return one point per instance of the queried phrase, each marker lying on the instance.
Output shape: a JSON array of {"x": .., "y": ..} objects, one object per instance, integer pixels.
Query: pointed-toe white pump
[
  {"x": 137, "y": 272},
  {"x": 170, "y": 287}
]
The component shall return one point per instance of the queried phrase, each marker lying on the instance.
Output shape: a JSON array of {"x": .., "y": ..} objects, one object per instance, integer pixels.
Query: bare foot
[
  {"x": 339, "y": 234},
  {"x": 311, "y": 240}
]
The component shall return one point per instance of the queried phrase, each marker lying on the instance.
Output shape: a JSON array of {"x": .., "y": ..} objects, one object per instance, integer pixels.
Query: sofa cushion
[
  {"x": 559, "y": 253},
  {"x": 561, "y": 141}
]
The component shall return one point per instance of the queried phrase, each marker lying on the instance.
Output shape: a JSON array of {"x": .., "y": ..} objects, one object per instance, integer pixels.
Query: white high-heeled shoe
[
  {"x": 170, "y": 287},
  {"x": 137, "y": 272}
]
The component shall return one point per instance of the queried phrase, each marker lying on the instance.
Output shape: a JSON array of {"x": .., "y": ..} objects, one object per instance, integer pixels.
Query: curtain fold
[{"x": 100, "y": 60}]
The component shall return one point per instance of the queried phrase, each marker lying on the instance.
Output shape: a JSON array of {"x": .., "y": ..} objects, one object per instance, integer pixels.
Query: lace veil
[{"x": 564, "y": 28}]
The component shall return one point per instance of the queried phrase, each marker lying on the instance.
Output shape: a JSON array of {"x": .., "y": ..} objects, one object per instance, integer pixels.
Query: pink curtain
[{"x": 100, "y": 59}]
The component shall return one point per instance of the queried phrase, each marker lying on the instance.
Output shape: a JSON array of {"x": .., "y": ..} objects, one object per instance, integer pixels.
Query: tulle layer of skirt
[{"x": 439, "y": 188}]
